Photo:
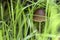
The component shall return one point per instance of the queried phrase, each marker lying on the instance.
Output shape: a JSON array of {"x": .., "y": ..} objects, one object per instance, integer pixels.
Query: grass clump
[{"x": 16, "y": 20}]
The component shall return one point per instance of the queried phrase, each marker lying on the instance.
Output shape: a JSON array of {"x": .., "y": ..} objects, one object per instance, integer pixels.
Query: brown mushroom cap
[
  {"x": 39, "y": 12},
  {"x": 39, "y": 15}
]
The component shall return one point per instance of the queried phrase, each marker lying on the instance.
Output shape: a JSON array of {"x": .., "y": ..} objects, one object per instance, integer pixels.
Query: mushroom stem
[{"x": 39, "y": 27}]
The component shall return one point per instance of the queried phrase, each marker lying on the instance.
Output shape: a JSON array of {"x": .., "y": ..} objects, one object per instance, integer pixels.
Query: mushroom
[{"x": 39, "y": 15}]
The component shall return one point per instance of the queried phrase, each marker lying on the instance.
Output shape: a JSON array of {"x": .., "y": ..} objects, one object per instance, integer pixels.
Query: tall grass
[{"x": 16, "y": 22}]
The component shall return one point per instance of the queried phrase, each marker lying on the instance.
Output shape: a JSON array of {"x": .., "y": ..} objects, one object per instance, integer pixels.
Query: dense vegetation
[{"x": 16, "y": 20}]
